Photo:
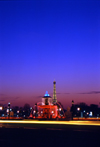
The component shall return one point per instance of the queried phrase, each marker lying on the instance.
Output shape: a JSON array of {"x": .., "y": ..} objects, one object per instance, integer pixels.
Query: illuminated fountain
[{"x": 48, "y": 108}]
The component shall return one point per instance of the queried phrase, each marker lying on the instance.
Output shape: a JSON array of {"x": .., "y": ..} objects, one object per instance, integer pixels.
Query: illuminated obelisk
[{"x": 54, "y": 92}]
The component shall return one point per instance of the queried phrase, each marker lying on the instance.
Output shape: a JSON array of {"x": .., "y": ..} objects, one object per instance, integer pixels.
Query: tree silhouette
[{"x": 26, "y": 107}]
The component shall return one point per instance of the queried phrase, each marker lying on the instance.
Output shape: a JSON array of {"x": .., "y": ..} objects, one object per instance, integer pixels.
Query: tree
[{"x": 26, "y": 107}]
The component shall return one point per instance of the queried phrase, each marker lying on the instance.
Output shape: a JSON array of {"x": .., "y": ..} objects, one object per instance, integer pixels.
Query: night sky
[{"x": 43, "y": 40}]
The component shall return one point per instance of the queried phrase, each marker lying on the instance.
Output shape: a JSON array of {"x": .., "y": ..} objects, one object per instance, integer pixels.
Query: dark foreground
[{"x": 49, "y": 136}]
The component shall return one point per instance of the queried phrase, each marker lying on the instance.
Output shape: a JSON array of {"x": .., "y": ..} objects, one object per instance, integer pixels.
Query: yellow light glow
[{"x": 93, "y": 123}]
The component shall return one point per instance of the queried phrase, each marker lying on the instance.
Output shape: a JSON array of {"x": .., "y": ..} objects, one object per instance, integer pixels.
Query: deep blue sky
[{"x": 43, "y": 40}]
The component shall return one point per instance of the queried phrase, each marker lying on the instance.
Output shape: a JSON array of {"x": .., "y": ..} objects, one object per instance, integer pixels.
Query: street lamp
[
  {"x": 78, "y": 109},
  {"x": 9, "y": 109},
  {"x": 1, "y": 108}
]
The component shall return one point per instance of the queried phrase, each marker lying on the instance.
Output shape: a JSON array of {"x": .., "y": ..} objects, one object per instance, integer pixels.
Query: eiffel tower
[{"x": 54, "y": 92}]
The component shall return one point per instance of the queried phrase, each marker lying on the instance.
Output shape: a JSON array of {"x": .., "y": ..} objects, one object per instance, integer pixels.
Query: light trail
[{"x": 92, "y": 123}]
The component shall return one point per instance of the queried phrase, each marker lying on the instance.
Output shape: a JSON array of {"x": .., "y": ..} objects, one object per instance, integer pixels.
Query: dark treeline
[
  {"x": 76, "y": 110},
  {"x": 83, "y": 110},
  {"x": 16, "y": 111}
]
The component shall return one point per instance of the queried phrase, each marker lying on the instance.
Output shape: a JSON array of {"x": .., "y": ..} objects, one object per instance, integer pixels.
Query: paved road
[{"x": 49, "y": 134}]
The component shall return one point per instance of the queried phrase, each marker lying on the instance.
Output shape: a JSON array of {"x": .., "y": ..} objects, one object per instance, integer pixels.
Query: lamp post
[
  {"x": 78, "y": 109},
  {"x": 9, "y": 109},
  {"x": 35, "y": 110}
]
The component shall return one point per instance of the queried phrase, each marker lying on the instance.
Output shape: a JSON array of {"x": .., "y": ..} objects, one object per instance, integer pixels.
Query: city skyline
[{"x": 45, "y": 40}]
